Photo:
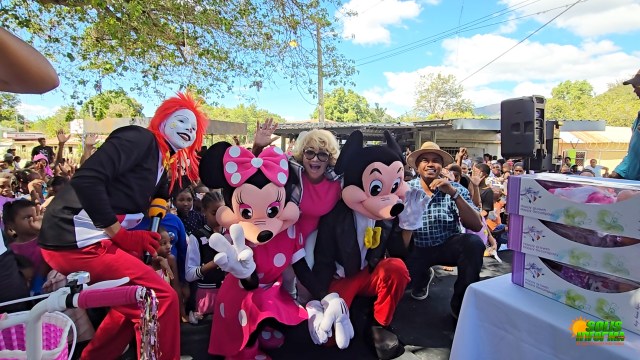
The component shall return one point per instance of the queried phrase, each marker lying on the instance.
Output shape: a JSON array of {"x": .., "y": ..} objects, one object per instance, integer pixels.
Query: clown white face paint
[{"x": 180, "y": 129}]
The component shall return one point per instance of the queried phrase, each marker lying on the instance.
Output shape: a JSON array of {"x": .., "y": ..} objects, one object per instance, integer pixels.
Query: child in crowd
[
  {"x": 41, "y": 165},
  {"x": 200, "y": 267},
  {"x": 183, "y": 202},
  {"x": 6, "y": 193},
  {"x": 199, "y": 192},
  {"x": 30, "y": 186},
  {"x": 166, "y": 266},
  {"x": 22, "y": 220}
]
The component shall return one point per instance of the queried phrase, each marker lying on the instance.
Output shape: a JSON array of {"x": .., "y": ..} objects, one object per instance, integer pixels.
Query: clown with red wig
[{"x": 87, "y": 225}]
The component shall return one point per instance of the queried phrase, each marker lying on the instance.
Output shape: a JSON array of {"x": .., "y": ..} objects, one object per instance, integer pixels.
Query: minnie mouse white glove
[
  {"x": 336, "y": 315},
  {"x": 411, "y": 217},
  {"x": 315, "y": 313},
  {"x": 235, "y": 258}
]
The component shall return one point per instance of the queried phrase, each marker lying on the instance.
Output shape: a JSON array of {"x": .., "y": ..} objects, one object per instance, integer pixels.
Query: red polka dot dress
[{"x": 238, "y": 311}]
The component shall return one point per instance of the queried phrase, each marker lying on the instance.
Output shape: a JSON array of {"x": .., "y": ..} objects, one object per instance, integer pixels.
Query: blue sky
[{"x": 595, "y": 40}]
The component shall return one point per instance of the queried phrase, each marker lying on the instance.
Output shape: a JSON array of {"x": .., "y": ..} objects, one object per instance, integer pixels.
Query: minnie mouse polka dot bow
[{"x": 240, "y": 165}]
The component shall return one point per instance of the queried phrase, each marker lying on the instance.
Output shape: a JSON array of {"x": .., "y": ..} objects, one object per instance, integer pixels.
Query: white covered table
[{"x": 500, "y": 320}]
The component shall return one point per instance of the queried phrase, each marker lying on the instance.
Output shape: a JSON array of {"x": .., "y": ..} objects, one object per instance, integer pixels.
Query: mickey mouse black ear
[
  {"x": 211, "y": 167},
  {"x": 348, "y": 151},
  {"x": 393, "y": 145}
]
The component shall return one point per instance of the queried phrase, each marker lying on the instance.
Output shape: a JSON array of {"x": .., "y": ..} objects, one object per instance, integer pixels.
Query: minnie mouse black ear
[
  {"x": 349, "y": 150},
  {"x": 211, "y": 167}
]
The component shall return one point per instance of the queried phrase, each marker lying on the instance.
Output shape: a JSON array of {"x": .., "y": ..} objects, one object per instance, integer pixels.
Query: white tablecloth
[{"x": 500, "y": 320}]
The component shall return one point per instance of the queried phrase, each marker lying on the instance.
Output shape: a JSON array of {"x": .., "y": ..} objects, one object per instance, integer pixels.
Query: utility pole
[{"x": 320, "y": 76}]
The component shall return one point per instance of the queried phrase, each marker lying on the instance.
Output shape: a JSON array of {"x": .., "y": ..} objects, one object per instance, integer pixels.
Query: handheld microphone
[{"x": 157, "y": 210}]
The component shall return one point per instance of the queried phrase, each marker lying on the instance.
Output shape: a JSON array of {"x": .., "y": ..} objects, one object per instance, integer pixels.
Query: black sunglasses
[{"x": 310, "y": 154}]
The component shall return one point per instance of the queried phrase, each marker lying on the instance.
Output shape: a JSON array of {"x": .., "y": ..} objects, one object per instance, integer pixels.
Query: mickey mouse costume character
[
  {"x": 86, "y": 227},
  {"x": 355, "y": 237},
  {"x": 252, "y": 303}
]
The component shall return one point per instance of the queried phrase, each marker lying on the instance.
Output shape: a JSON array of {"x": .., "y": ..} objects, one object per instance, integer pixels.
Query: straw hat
[{"x": 429, "y": 147}]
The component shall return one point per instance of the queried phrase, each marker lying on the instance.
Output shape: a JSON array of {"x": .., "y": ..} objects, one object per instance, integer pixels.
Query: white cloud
[
  {"x": 590, "y": 18},
  {"x": 33, "y": 112},
  {"x": 508, "y": 27},
  {"x": 530, "y": 68},
  {"x": 370, "y": 24}
]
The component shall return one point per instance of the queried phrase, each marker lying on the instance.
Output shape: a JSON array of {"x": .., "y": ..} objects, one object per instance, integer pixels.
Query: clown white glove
[
  {"x": 411, "y": 217},
  {"x": 336, "y": 315},
  {"x": 235, "y": 258},
  {"x": 315, "y": 313}
]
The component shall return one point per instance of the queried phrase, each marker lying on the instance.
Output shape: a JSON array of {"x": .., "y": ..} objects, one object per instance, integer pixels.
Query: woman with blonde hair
[{"x": 314, "y": 155}]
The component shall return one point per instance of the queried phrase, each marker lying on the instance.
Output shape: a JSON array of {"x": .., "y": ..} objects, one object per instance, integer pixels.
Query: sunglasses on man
[{"x": 309, "y": 154}]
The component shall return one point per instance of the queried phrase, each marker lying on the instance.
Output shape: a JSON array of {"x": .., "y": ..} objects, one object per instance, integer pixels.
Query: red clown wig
[{"x": 184, "y": 158}]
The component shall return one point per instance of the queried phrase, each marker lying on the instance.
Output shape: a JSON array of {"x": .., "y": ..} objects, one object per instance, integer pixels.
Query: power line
[
  {"x": 470, "y": 23},
  {"x": 448, "y": 34},
  {"x": 459, "y": 19},
  {"x": 523, "y": 40}
]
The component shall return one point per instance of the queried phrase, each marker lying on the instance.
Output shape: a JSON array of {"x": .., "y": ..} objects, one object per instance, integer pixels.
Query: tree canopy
[
  {"x": 575, "y": 100},
  {"x": 439, "y": 96},
  {"x": 213, "y": 45},
  {"x": 9, "y": 116},
  {"x": 571, "y": 100},
  {"x": 343, "y": 105},
  {"x": 248, "y": 115},
  {"x": 111, "y": 103},
  {"x": 58, "y": 121}
]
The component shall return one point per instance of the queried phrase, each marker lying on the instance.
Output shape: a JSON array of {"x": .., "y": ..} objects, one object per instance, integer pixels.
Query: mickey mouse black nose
[
  {"x": 397, "y": 209},
  {"x": 265, "y": 235}
]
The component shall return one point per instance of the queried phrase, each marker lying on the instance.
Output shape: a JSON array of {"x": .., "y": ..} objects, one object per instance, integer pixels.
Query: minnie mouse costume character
[
  {"x": 264, "y": 242},
  {"x": 355, "y": 237},
  {"x": 86, "y": 226}
]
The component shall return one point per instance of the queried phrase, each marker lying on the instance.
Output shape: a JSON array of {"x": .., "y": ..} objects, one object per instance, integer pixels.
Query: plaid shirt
[{"x": 440, "y": 219}]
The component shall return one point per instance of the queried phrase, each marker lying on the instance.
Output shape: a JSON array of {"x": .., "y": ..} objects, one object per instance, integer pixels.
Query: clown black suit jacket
[
  {"x": 120, "y": 178},
  {"x": 336, "y": 242}
]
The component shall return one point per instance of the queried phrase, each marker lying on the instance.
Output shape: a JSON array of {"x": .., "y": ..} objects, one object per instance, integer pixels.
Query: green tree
[
  {"x": 571, "y": 100},
  {"x": 60, "y": 120},
  {"x": 9, "y": 116},
  {"x": 380, "y": 114},
  {"x": 248, "y": 115},
  {"x": 111, "y": 103},
  {"x": 345, "y": 106},
  {"x": 618, "y": 105},
  {"x": 210, "y": 44},
  {"x": 440, "y": 96}
]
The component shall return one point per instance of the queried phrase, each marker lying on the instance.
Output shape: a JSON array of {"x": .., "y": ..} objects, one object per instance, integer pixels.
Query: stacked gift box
[{"x": 577, "y": 240}]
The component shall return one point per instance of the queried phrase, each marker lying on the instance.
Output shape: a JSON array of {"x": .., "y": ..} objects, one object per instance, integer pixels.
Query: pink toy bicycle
[{"x": 42, "y": 332}]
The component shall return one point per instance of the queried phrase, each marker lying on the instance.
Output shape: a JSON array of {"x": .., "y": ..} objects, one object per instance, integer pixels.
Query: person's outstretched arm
[{"x": 23, "y": 69}]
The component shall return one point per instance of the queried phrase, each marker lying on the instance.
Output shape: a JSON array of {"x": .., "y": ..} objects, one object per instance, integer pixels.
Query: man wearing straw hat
[
  {"x": 440, "y": 241},
  {"x": 629, "y": 168}
]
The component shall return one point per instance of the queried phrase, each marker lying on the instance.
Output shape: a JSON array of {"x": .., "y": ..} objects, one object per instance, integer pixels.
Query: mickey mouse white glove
[
  {"x": 411, "y": 217},
  {"x": 236, "y": 257},
  {"x": 315, "y": 313},
  {"x": 336, "y": 315}
]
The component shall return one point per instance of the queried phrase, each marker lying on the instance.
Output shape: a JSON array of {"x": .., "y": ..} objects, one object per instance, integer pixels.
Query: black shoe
[
  {"x": 421, "y": 294},
  {"x": 387, "y": 344}
]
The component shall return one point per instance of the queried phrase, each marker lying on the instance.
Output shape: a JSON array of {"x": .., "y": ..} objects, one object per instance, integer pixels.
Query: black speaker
[
  {"x": 522, "y": 127},
  {"x": 544, "y": 161}
]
